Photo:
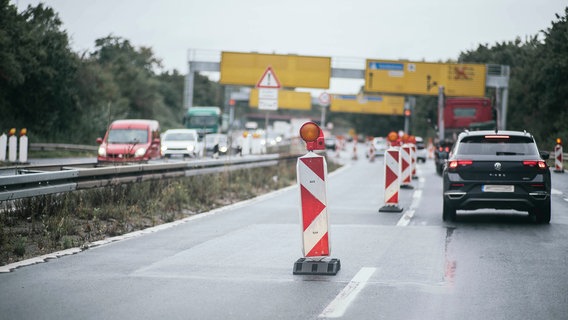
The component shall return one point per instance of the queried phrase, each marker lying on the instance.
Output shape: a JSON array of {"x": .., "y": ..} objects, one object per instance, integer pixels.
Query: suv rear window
[{"x": 500, "y": 145}]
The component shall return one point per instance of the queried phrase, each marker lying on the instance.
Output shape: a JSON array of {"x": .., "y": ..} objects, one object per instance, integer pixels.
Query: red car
[{"x": 131, "y": 140}]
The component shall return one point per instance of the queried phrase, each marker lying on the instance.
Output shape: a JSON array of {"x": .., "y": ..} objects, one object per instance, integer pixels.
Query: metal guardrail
[
  {"x": 29, "y": 182},
  {"x": 62, "y": 146}
]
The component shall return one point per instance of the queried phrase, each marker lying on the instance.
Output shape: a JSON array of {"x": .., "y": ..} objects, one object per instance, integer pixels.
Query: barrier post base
[
  {"x": 406, "y": 186},
  {"x": 559, "y": 171},
  {"x": 325, "y": 267},
  {"x": 389, "y": 208}
]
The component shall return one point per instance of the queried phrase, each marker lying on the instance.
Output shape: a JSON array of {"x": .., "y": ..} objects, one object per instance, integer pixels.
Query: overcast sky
[{"x": 348, "y": 31}]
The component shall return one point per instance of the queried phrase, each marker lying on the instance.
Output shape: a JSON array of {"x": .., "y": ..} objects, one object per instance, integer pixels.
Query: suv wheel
[
  {"x": 542, "y": 214},
  {"x": 449, "y": 213}
]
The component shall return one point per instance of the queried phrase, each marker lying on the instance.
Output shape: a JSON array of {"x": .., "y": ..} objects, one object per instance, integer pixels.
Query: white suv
[{"x": 182, "y": 142}]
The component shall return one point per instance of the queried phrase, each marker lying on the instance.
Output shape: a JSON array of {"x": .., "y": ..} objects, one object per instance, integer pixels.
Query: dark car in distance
[
  {"x": 497, "y": 170},
  {"x": 441, "y": 153}
]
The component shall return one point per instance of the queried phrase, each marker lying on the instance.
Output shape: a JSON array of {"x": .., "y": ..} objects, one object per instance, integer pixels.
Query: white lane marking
[
  {"x": 342, "y": 301},
  {"x": 409, "y": 214}
]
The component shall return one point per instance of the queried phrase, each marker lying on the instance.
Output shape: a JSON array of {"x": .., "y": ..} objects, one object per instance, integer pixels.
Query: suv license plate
[{"x": 497, "y": 188}]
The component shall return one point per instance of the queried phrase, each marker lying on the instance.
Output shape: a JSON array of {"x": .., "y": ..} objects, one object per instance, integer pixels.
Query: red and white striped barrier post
[
  {"x": 311, "y": 172},
  {"x": 354, "y": 157},
  {"x": 406, "y": 167},
  {"x": 414, "y": 159},
  {"x": 431, "y": 149},
  {"x": 558, "y": 157},
  {"x": 392, "y": 180},
  {"x": 371, "y": 150}
]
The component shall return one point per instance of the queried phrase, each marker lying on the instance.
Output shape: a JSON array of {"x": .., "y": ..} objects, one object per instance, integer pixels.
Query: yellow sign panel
[
  {"x": 292, "y": 71},
  {"x": 286, "y": 100},
  {"x": 387, "y": 105},
  {"x": 423, "y": 78}
]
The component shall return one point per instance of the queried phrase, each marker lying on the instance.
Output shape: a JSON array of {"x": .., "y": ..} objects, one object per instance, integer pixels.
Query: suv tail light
[
  {"x": 463, "y": 163},
  {"x": 535, "y": 163}
]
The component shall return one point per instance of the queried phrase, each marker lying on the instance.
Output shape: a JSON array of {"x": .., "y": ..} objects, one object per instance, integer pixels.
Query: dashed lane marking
[
  {"x": 416, "y": 197},
  {"x": 339, "y": 305}
]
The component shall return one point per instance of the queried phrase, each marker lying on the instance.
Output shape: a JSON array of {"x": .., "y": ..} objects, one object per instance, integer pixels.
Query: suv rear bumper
[{"x": 473, "y": 201}]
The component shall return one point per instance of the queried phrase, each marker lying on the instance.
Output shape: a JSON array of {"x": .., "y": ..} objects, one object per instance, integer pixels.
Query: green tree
[
  {"x": 207, "y": 92},
  {"x": 538, "y": 85},
  {"x": 37, "y": 72},
  {"x": 551, "y": 82},
  {"x": 132, "y": 71}
]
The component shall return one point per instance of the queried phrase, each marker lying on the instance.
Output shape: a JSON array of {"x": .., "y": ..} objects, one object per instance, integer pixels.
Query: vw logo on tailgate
[{"x": 497, "y": 166}]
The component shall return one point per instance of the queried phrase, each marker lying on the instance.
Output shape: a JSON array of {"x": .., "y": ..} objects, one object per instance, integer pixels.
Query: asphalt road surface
[{"x": 236, "y": 263}]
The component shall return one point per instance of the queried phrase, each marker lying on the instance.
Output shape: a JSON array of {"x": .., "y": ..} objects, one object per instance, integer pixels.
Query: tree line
[
  {"x": 538, "y": 84},
  {"x": 64, "y": 96}
]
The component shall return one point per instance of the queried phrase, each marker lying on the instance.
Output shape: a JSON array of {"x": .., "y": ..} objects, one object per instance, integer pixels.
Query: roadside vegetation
[{"x": 36, "y": 226}]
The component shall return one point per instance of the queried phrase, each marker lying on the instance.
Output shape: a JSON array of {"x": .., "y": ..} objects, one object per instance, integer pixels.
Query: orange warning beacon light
[
  {"x": 312, "y": 134},
  {"x": 393, "y": 139},
  {"x": 392, "y": 136}
]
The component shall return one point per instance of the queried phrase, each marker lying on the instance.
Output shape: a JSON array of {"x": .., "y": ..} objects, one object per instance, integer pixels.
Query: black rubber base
[
  {"x": 406, "y": 186},
  {"x": 390, "y": 209},
  {"x": 317, "y": 267}
]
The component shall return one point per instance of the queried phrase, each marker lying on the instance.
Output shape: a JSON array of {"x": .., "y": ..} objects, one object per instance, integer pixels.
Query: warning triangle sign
[{"x": 268, "y": 80}]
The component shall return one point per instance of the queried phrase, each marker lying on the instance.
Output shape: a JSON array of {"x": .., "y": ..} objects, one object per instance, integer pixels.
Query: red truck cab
[
  {"x": 460, "y": 113},
  {"x": 130, "y": 140}
]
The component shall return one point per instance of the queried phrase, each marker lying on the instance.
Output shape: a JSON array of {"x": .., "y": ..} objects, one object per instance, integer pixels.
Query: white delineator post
[
  {"x": 23, "y": 154},
  {"x": 3, "y": 145},
  {"x": 392, "y": 180},
  {"x": 12, "y": 146},
  {"x": 311, "y": 172}
]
